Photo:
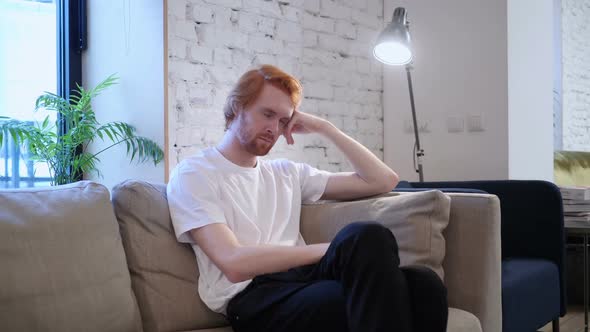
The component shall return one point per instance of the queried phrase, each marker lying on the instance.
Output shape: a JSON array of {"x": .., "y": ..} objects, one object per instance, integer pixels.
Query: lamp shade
[{"x": 393, "y": 46}]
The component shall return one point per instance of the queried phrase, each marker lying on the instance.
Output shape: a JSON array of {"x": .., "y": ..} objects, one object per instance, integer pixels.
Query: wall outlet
[
  {"x": 475, "y": 123},
  {"x": 454, "y": 124}
]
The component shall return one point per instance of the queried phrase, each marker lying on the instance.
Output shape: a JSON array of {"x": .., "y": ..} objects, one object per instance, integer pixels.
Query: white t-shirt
[{"x": 261, "y": 205}]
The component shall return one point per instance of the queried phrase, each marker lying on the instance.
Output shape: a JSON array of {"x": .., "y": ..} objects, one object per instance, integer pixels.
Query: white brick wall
[
  {"x": 575, "y": 22},
  {"x": 325, "y": 43}
]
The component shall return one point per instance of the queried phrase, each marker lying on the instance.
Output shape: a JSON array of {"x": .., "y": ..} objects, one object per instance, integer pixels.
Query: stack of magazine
[{"x": 576, "y": 203}]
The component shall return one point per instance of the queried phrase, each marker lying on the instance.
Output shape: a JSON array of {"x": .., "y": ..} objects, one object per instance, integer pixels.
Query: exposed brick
[
  {"x": 185, "y": 71},
  {"x": 319, "y": 90},
  {"x": 234, "y": 16},
  {"x": 375, "y": 7},
  {"x": 312, "y": 6},
  {"x": 214, "y": 36},
  {"x": 368, "y": 20},
  {"x": 177, "y": 48},
  {"x": 223, "y": 75},
  {"x": 333, "y": 43},
  {"x": 345, "y": 29},
  {"x": 332, "y": 9},
  {"x": 223, "y": 16},
  {"x": 291, "y": 13},
  {"x": 225, "y": 3},
  {"x": 363, "y": 65},
  {"x": 248, "y": 22},
  {"x": 184, "y": 29},
  {"x": 261, "y": 59},
  {"x": 310, "y": 38},
  {"x": 290, "y": 31},
  {"x": 203, "y": 14},
  {"x": 367, "y": 35},
  {"x": 202, "y": 54},
  {"x": 180, "y": 91},
  {"x": 242, "y": 59},
  {"x": 177, "y": 9},
  {"x": 320, "y": 57},
  {"x": 332, "y": 108},
  {"x": 290, "y": 49},
  {"x": 263, "y": 44},
  {"x": 575, "y": 94},
  {"x": 222, "y": 56},
  {"x": 317, "y": 23},
  {"x": 199, "y": 96},
  {"x": 289, "y": 64},
  {"x": 263, "y": 7},
  {"x": 325, "y": 43},
  {"x": 266, "y": 25},
  {"x": 362, "y": 49}
]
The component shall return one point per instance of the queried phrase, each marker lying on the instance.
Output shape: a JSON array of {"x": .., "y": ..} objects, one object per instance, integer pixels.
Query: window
[{"x": 40, "y": 50}]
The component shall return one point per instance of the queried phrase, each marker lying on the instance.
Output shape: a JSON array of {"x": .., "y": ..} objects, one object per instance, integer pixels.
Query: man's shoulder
[
  {"x": 282, "y": 165},
  {"x": 201, "y": 162}
]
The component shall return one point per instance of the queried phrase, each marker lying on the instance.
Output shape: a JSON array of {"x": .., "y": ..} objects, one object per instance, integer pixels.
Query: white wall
[
  {"x": 325, "y": 43},
  {"x": 530, "y": 89},
  {"x": 487, "y": 60},
  {"x": 126, "y": 37},
  {"x": 460, "y": 71}
]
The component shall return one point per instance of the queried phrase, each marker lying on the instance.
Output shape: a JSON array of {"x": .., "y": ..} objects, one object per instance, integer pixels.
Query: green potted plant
[{"x": 67, "y": 154}]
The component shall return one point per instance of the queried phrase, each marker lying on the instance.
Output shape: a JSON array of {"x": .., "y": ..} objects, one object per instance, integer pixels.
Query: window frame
[{"x": 71, "y": 41}]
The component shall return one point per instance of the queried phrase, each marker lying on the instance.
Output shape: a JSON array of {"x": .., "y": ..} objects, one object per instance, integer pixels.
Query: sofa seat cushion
[
  {"x": 462, "y": 321},
  {"x": 219, "y": 329},
  {"x": 459, "y": 321},
  {"x": 530, "y": 291},
  {"x": 416, "y": 219},
  {"x": 63, "y": 264}
]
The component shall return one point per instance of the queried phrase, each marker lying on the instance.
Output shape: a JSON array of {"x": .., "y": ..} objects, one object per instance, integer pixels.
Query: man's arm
[
  {"x": 371, "y": 176},
  {"x": 239, "y": 263}
]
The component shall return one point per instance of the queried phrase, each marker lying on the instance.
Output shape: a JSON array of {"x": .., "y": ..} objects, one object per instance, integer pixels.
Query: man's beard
[{"x": 255, "y": 144}]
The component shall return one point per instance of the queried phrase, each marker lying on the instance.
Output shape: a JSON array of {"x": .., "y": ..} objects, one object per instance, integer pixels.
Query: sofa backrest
[
  {"x": 164, "y": 272},
  {"x": 63, "y": 266}
]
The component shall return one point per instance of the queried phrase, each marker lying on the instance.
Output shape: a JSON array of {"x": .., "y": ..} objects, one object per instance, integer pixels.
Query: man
[{"x": 241, "y": 215}]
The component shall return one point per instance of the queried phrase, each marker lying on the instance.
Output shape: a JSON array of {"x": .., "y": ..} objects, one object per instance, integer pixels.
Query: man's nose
[{"x": 274, "y": 128}]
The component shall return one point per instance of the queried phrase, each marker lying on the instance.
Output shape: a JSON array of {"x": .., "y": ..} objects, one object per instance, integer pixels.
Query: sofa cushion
[
  {"x": 529, "y": 293},
  {"x": 416, "y": 219},
  {"x": 459, "y": 321},
  {"x": 63, "y": 264},
  {"x": 164, "y": 272},
  {"x": 462, "y": 321}
]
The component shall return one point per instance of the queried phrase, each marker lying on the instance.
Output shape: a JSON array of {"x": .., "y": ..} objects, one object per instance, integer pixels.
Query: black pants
[{"x": 357, "y": 286}]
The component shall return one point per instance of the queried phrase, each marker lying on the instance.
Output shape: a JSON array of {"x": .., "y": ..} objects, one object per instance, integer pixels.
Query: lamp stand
[{"x": 419, "y": 151}]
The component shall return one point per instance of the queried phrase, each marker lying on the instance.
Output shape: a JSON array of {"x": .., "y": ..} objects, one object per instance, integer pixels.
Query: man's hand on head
[{"x": 303, "y": 123}]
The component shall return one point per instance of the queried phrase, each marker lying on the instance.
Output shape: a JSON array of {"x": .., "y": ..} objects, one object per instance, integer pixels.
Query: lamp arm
[{"x": 419, "y": 151}]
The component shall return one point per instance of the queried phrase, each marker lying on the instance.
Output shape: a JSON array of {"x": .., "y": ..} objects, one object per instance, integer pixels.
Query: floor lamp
[{"x": 393, "y": 47}]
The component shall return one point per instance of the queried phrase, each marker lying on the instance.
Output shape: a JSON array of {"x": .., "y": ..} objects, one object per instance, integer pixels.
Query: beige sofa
[{"x": 72, "y": 262}]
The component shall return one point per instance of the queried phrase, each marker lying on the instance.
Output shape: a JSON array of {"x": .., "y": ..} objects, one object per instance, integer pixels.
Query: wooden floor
[{"x": 572, "y": 322}]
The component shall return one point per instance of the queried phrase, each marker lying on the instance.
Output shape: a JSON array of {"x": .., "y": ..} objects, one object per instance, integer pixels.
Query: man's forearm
[
  {"x": 365, "y": 163},
  {"x": 250, "y": 261}
]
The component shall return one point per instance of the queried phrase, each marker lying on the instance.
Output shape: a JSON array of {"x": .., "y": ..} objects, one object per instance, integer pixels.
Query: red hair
[{"x": 249, "y": 86}]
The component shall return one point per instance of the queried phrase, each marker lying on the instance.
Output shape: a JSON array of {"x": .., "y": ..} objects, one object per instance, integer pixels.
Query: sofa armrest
[
  {"x": 532, "y": 219},
  {"x": 472, "y": 262},
  {"x": 473, "y": 257}
]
